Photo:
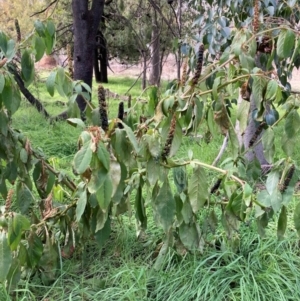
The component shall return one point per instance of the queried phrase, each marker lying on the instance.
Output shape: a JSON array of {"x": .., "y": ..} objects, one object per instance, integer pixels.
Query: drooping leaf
[
  {"x": 82, "y": 200},
  {"x": 258, "y": 87},
  {"x": 83, "y": 158},
  {"x": 35, "y": 249},
  {"x": 292, "y": 124},
  {"x": 285, "y": 43},
  {"x": 5, "y": 257},
  {"x": 198, "y": 189},
  {"x": 103, "y": 234},
  {"x": 272, "y": 181},
  {"x": 140, "y": 208},
  {"x": 103, "y": 155},
  {"x": 282, "y": 223},
  {"x": 268, "y": 138},
  {"x": 190, "y": 236},
  {"x": 104, "y": 194},
  {"x": 27, "y": 66},
  {"x": 24, "y": 197},
  {"x": 50, "y": 83},
  {"x": 297, "y": 218},
  {"x": 76, "y": 122},
  {"x": 39, "y": 46},
  {"x": 17, "y": 225},
  {"x": 164, "y": 206}
]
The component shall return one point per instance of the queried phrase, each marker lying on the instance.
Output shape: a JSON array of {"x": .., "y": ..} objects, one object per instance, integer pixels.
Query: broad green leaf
[
  {"x": 242, "y": 115},
  {"x": 292, "y": 124},
  {"x": 297, "y": 218},
  {"x": 3, "y": 123},
  {"x": 271, "y": 90},
  {"x": 83, "y": 158},
  {"x": 131, "y": 137},
  {"x": 40, "y": 28},
  {"x": 39, "y": 47},
  {"x": 103, "y": 234},
  {"x": 49, "y": 42},
  {"x": 76, "y": 122},
  {"x": 180, "y": 178},
  {"x": 164, "y": 206},
  {"x": 23, "y": 155},
  {"x": 50, "y": 27},
  {"x": 104, "y": 194},
  {"x": 17, "y": 225},
  {"x": 187, "y": 211},
  {"x": 276, "y": 200},
  {"x": 198, "y": 189},
  {"x": 11, "y": 50},
  {"x": 140, "y": 208},
  {"x": 153, "y": 171},
  {"x": 189, "y": 236},
  {"x": 98, "y": 177},
  {"x": 49, "y": 262},
  {"x": 288, "y": 145},
  {"x": 50, "y": 83},
  {"x": 24, "y": 198},
  {"x": 3, "y": 42},
  {"x": 237, "y": 206},
  {"x": 153, "y": 99},
  {"x": 258, "y": 87},
  {"x": 272, "y": 181},
  {"x": 285, "y": 43},
  {"x": 264, "y": 198},
  {"x": 14, "y": 274},
  {"x": 81, "y": 194},
  {"x": 5, "y": 257},
  {"x": 2, "y": 82},
  {"x": 282, "y": 223},
  {"x": 268, "y": 139},
  {"x": 247, "y": 194},
  {"x": 27, "y": 66},
  {"x": 233, "y": 142},
  {"x": 103, "y": 155},
  {"x": 35, "y": 249}
]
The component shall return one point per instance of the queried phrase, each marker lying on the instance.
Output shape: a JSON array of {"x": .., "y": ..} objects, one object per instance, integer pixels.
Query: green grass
[{"x": 261, "y": 269}]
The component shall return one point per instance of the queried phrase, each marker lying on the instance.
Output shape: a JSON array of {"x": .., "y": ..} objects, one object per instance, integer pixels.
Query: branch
[
  {"x": 43, "y": 10},
  {"x": 27, "y": 94},
  {"x": 154, "y": 5}
]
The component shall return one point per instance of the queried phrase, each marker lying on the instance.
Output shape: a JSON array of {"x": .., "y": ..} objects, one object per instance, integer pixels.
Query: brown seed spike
[
  {"x": 121, "y": 114},
  {"x": 256, "y": 17},
  {"x": 168, "y": 144},
  {"x": 102, "y": 108},
  {"x": 184, "y": 72},
  {"x": 256, "y": 134},
  {"x": 199, "y": 66},
  {"x": 216, "y": 186},
  {"x": 8, "y": 200},
  {"x": 70, "y": 61},
  {"x": 288, "y": 178},
  {"x": 18, "y": 30}
]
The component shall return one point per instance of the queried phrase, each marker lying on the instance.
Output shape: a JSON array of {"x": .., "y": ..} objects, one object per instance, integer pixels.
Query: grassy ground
[{"x": 261, "y": 269}]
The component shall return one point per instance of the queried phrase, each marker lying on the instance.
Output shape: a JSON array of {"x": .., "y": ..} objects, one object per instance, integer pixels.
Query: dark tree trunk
[
  {"x": 154, "y": 78},
  {"x": 85, "y": 24}
]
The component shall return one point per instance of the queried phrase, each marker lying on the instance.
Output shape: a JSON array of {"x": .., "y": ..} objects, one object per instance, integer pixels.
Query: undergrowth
[{"x": 260, "y": 269}]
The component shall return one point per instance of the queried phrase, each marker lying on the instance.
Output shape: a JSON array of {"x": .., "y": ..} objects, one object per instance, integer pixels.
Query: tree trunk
[
  {"x": 144, "y": 79},
  {"x": 85, "y": 24},
  {"x": 154, "y": 78},
  {"x": 100, "y": 59}
]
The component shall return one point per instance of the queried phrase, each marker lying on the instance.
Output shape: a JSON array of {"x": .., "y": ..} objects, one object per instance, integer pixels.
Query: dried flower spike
[
  {"x": 288, "y": 178},
  {"x": 102, "y": 108},
  {"x": 70, "y": 61},
  {"x": 256, "y": 134},
  {"x": 199, "y": 65},
  {"x": 184, "y": 72},
  {"x": 121, "y": 114},
  {"x": 256, "y": 17},
  {"x": 18, "y": 30},
  {"x": 216, "y": 186},
  {"x": 168, "y": 144},
  {"x": 8, "y": 200}
]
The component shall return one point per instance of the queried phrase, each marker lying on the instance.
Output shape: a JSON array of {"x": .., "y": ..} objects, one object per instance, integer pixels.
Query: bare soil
[{"x": 169, "y": 69}]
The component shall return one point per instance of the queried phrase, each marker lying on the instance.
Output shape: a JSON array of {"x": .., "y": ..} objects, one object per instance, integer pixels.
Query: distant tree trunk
[
  {"x": 100, "y": 59},
  {"x": 144, "y": 78},
  {"x": 154, "y": 78},
  {"x": 179, "y": 24},
  {"x": 85, "y": 24}
]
